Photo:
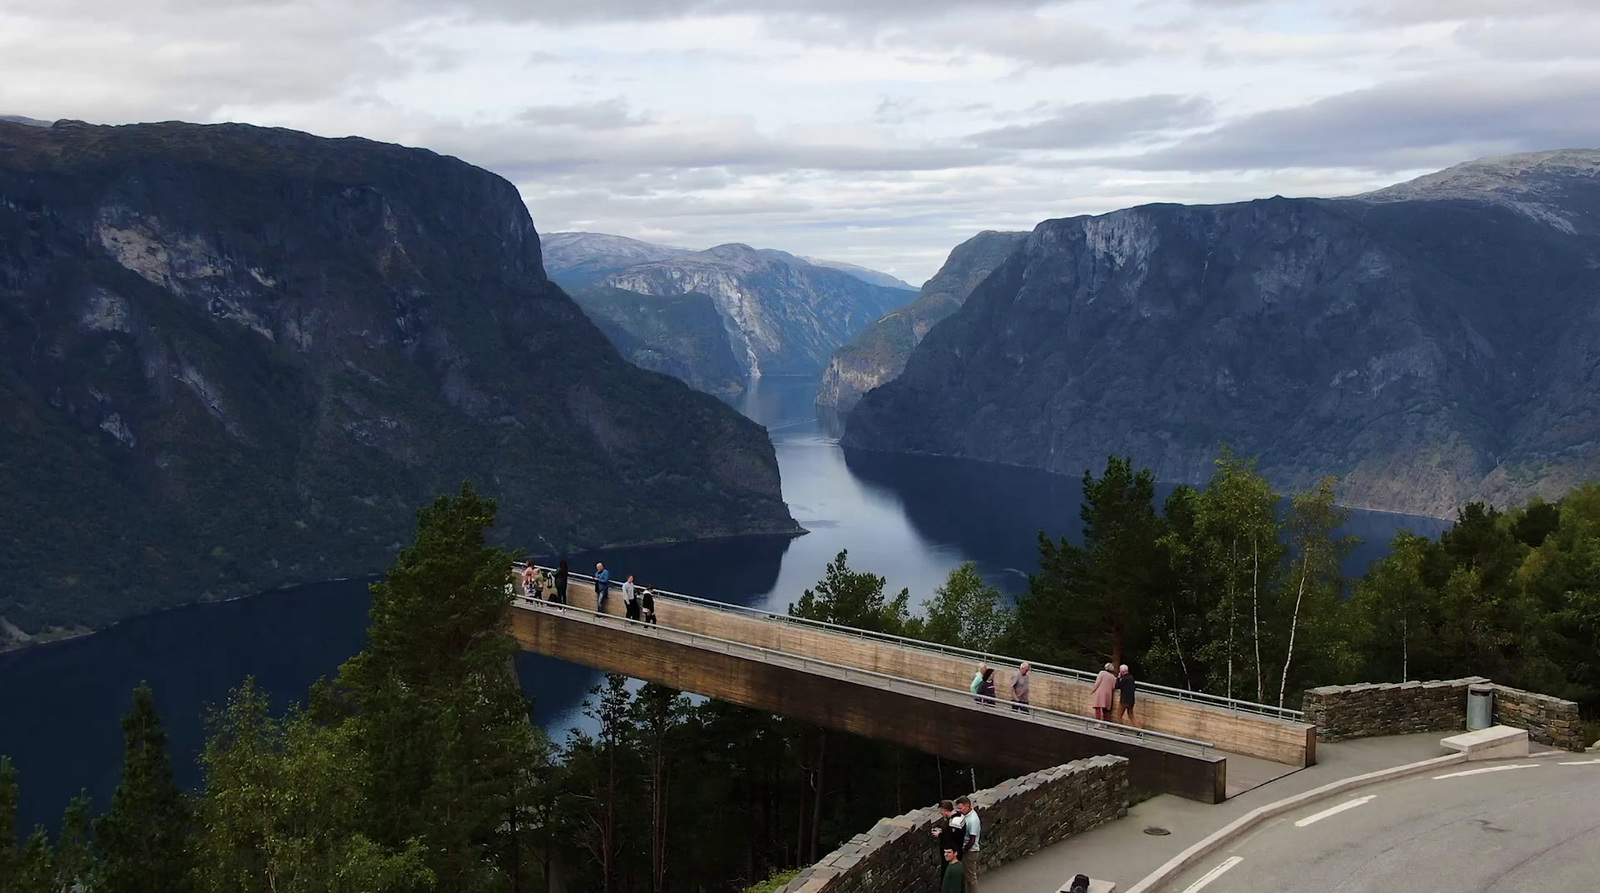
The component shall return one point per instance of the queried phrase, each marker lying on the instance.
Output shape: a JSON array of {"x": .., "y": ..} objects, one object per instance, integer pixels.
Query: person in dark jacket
[
  {"x": 561, "y": 582},
  {"x": 986, "y": 688},
  {"x": 948, "y": 830},
  {"x": 648, "y": 603},
  {"x": 1125, "y": 696}
]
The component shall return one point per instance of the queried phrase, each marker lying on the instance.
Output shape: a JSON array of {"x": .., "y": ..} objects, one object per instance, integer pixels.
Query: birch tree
[{"x": 1315, "y": 552}]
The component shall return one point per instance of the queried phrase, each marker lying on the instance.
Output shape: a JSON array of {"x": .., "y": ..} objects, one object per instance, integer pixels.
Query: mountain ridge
[
  {"x": 1429, "y": 348},
  {"x": 234, "y": 358}
]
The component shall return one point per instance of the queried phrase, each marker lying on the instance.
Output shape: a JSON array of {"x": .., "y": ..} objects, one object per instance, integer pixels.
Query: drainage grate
[{"x": 1153, "y": 831}]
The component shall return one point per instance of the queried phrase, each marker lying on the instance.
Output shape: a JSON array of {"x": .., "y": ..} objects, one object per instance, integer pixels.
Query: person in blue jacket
[{"x": 602, "y": 586}]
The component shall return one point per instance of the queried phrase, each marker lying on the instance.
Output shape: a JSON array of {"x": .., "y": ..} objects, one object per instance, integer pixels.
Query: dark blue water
[{"x": 912, "y": 519}]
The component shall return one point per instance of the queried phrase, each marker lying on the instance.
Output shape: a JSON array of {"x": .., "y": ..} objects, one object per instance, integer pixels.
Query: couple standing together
[
  {"x": 1119, "y": 683},
  {"x": 957, "y": 831}
]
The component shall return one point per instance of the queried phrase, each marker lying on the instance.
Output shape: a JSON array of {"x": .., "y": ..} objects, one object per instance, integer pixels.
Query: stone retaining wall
[
  {"x": 1368, "y": 710},
  {"x": 1549, "y": 721},
  {"x": 1020, "y": 817}
]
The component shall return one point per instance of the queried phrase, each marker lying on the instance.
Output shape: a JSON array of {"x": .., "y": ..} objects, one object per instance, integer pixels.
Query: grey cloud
[
  {"x": 1423, "y": 11},
  {"x": 609, "y": 114},
  {"x": 1395, "y": 127},
  {"x": 1104, "y": 123},
  {"x": 1026, "y": 38},
  {"x": 577, "y": 11}
]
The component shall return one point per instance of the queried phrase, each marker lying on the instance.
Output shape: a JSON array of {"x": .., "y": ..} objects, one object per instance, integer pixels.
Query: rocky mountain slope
[
  {"x": 880, "y": 352},
  {"x": 681, "y": 335},
  {"x": 871, "y": 277},
  {"x": 233, "y": 358},
  {"x": 1431, "y": 343},
  {"x": 575, "y": 260},
  {"x": 784, "y": 316}
]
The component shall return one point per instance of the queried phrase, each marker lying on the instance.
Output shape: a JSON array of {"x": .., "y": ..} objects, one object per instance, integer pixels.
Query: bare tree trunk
[
  {"x": 1255, "y": 613},
  {"x": 608, "y": 835},
  {"x": 816, "y": 794},
  {"x": 1233, "y": 558},
  {"x": 1294, "y": 623},
  {"x": 1177, "y": 646},
  {"x": 658, "y": 823}
]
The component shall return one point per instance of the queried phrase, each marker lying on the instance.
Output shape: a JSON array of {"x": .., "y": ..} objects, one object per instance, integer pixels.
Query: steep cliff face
[
  {"x": 681, "y": 335},
  {"x": 233, "y": 358},
  {"x": 784, "y": 316},
  {"x": 1430, "y": 343},
  {"x": 880, "y": 352}
]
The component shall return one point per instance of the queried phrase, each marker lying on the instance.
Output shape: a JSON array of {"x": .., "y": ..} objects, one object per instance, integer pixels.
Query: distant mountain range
[
  {"x": 1430, "y": 343},
  {"x": 781, "y": 314},
  {"x": 233, "y": 358},
  {"x": 880, "y": 352}
]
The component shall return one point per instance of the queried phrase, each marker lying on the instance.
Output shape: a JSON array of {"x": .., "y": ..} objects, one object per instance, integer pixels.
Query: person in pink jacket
[{"x": 1105, "y": 682}]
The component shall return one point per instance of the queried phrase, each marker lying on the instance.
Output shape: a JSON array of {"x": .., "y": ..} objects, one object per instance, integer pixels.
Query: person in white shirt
[{"x": 972, "y": 827}]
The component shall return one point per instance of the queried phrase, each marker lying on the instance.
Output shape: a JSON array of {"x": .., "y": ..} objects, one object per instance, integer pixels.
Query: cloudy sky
[{"x": 881, "y": 132}]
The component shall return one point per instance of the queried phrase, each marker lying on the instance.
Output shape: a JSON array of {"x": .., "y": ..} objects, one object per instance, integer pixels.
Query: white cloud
[{"x": 881, "y": 132}]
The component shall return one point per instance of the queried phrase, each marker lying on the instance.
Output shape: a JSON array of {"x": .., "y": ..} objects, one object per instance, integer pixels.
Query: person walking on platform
[
  {"x": 630, "y": 599},
  {"x": 971, "y": 828},
  {"x": 1105, "y": 682},
  {"x": 530, "y": 580},
  {"x": 561, "y": 582},
  {"x": 986, "y": 688},
  {"x": 1020, "y": 684},
  {"x": 602, "y": 587},
  {"x": 1125, "y": 696},
  {"x": 647, "y": 605}
]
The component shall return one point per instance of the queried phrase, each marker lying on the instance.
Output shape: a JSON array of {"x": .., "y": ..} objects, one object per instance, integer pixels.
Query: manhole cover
[{"x": 1157, "y": 832}]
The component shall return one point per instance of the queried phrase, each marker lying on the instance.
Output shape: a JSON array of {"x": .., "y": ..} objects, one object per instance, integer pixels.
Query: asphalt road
[{"x": 1534, "y": 828}]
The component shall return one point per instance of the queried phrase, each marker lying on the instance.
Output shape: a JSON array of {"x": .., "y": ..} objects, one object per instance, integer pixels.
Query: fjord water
[{"x": 909, "y": 518}]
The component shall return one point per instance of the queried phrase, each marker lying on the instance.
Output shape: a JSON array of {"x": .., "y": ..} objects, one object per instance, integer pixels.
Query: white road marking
[
  {"x": 1583, "y": 763},
  {"x": 1335, "y": 810},
  {"x": 1214, "y": 873},
  {"x": 1487, "y": 770}
]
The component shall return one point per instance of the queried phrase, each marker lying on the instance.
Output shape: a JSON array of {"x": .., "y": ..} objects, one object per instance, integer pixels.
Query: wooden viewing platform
[{"x": 910, "y": 692}]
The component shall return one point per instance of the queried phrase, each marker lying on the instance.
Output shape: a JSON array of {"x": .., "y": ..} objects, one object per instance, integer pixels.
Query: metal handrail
[
  {"x": 1071, "y": 721},
  {"x": 1235, "y": 705}
]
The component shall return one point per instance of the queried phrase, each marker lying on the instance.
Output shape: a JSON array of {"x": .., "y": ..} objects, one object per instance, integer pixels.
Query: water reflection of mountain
[{"x": 996, "y": 511}]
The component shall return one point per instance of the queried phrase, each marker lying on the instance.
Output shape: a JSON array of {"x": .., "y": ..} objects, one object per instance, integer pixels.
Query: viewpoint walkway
[{"x": 890, "y": 688}]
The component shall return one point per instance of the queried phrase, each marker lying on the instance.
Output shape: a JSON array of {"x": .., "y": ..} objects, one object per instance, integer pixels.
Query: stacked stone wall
[
  {"x": 1341, "y": 712},
  {"x": 1020, "y": 817},
  {"x": 1549, "y": 721}
]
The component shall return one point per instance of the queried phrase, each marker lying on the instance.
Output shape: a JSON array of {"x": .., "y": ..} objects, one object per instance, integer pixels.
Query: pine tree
[
  {"x": 74, "y": 856},
  {"x": 142, "y": 836},
  {"x": 8, "y": 825},
  {"x": 437, "y": 708},
  {"x": 853, "y": 598}
]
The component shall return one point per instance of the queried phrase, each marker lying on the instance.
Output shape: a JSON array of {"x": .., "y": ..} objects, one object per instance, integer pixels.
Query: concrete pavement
[
  {"x": 1122, "y": 852},
  {"x": 1522, "y": 824}
]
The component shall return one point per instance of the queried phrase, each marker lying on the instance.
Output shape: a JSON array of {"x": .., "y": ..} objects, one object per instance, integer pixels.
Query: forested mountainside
[
  {"x": 784, "y": 316},
  {"x": 234, "y": 357},
  {"x": 880, "y": 352},
  {"x": 1431, "y": 344},
  {"x": 679, "y": 335}
]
